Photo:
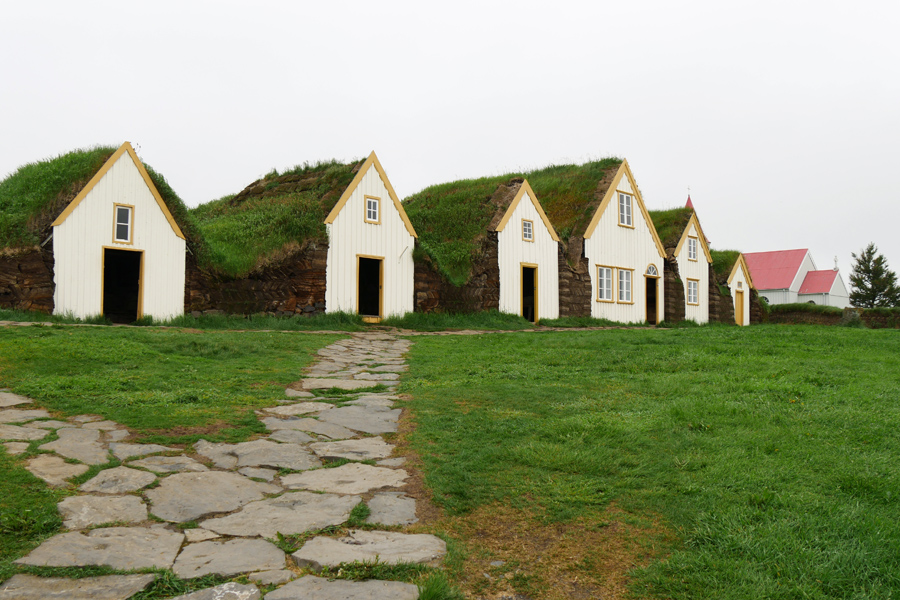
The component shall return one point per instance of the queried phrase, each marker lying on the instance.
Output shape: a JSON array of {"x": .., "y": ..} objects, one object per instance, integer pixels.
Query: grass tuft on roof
[
  {"x": 272, "y": 216},
  {"x": 34, "y": 195},
  {"x": 452, "y": 219},
  {"x": 670, "y": 224},
  {"x": 723, "y": 263}
]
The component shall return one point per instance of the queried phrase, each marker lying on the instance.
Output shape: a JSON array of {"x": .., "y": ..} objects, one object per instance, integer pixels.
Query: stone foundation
[
  {"x": 26, "y": 279},
  {"x": 481, "y": 292}
]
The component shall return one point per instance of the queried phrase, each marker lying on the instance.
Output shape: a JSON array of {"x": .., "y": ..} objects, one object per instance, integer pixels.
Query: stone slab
[
  {"x": 117, "y": 435},
  {"x": 392, "y": 462},
  {"x": 188, "y": 496},
  {"x": 291, "y": 436},
  {"x": 170, "y": 464},
  {"x": 80, "y": 444},
  {"x": 387, "y": 546},
  {"x": 9, "y": 399},
  {"x": 263, "y": 453},
  {"x": 16, "y": 447},
  {"x": 258, "y": 473},
  {"x": 50, "y": 424},
  {"x": 371, "y": 448},
  {"x": 290, "y": 513},
  {"x": 79, "y": 512},
  {"x": 118, "y": 480},
  {"x": 368, "y": 419},
  {"x": 16, "y": 415},
  {"x": 14, "y": 432},
  {"x": 227, "y": 591},
  {"x": 219, "y": 454},
  {"x": 192, "y": 536},
  {"x": 392, "y": 508},
  {"x": 108, "y": 587},
  {"x": 376, "y": 377},
  {"x": 341, "y": 384},
  {"x": 126, "y": 451},
  {"x": 301, "y": 408},
  {"x": 228, "y": 558},
  {"x": 102, "y": 425},
  {"x": 274, "y": 577},
  {"x": 86, "y": 418},
  {"x": 123, "y": 548},
  {"x": 389, "y": 369},
  {"x": 54, "y": 470},
  {"x": 331, "y": 430},
  {"x": 319, "y": 588},
  {"x": 351, "y": 478},
  {"x": 292, "y": 393}
]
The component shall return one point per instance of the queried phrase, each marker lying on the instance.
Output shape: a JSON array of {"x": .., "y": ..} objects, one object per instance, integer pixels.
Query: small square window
[
  {"x": 624, "y": 285},
  {"x": 625, "y": 210},
  {"x": 527, "y": 230},
  {"x": 693, "y": 291},
  {"x": 372, "y": 215},
  {"x": 122, "y": 225},
  {"x": 692, "y": 248},
  {"x": 604, "y": 284},
  {"x": 740, "y": 284}
]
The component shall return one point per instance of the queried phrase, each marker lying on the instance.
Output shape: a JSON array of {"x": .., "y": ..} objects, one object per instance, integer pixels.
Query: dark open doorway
[
  {"x": 369, "y": 287},
  {"x": 529, "y": 293},
  {"x": 651, "y": 300},
  {"x": 121, "y": 285}
]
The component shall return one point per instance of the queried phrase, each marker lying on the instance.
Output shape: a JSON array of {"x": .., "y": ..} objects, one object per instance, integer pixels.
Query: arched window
[{"x": 652, "y": 272}]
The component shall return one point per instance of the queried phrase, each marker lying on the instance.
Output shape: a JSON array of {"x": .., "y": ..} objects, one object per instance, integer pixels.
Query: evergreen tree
[{"x": 872, "y": 283}]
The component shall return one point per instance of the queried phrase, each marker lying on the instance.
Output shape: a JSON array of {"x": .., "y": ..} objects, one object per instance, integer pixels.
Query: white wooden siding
[
  {"x": 350, "y": 236},
  {"x": 805, "y": 267},
  {"x": 512, "y": 251},
  {"x": 78, "y": 244},
  {"x": 739, "y": 277},
  {"x": 622, "y": 247},
  {"x": 695, "y": 269}
]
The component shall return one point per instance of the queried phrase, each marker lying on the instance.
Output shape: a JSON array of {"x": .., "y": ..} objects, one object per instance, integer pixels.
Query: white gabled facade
[
  {"x": 355, "y": 233},
  {"x": 740, "y": 284},
  {"x": 625, "y": 252},
  {"x": 693, "y": 258},
  {"x": 527, "y": 240},
  {"x": 86, "y": 229}
]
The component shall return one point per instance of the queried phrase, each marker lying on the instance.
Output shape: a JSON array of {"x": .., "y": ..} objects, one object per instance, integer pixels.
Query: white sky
[{"x": 782, "y": 117}]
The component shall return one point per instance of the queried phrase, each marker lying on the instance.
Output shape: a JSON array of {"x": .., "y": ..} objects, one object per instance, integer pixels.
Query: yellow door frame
[
  {"x": 380, "y": 259},
  {"x": 522, "y": 267},
  {"x": 140, "y": 306}
]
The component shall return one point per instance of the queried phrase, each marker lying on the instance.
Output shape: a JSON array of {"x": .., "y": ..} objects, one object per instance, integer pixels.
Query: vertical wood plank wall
[
  {"x": 512, "y": 251},
  {"x": 733, "y": 286},
  {"x": 79, "y": 241},
  {"x": 695, "y": 269},
  {"x": 349, "y": 235},
  {"x": 621, "y": 247}
]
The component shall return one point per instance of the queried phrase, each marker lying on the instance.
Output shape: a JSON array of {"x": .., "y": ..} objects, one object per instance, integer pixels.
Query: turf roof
[
  {"x": 670, "y": 224},
  {"x": 452, "y": 219},
  {"x": 272, "y": 216},
  {"x": 723, "y": 263},
  {"x": 35, "y": 194}
]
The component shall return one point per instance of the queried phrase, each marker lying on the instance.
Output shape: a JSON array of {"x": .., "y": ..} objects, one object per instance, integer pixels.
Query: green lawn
[{"x": 768, "y": 456}]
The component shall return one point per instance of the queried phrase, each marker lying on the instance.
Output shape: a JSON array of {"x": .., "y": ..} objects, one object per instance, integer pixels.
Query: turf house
[
  {"x": 316, "y": 238},
  {"x": 93, "y": 232},
  {"x": 741, "y": 286}
]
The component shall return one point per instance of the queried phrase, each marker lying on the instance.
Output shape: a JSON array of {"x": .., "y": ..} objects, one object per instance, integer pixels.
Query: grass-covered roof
[
  {"x": 35, "y": 194},
  {"x": 723, "y": 263},
  {"x": 670, "y": 224},
  {"x": 453, "y": 218},
  {"x": 272, "y": 216}
]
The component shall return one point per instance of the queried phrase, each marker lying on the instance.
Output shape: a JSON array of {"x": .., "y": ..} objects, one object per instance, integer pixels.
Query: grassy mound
[
  {"x": 453, "y": 218},
  {"x": 723, "y": 263},
  {"x": 670, "y": 224},
  {"x": 272, "y": 215}
]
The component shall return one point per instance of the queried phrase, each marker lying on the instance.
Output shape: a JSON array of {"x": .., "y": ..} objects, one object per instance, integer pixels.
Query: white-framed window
[
  {"x": 604, "y": 284},
  {"x": 693, "y": 291},
  {"x": 625, "y": 210},
  {"x": 692, "y": 248},
  {"x": 372, "y": 209},
  {"x": 625, "y": 286},
  {"x": 123, "y": 223},
  {"x": 740, "y": 284},
  {"x": 527, "y": 230}
]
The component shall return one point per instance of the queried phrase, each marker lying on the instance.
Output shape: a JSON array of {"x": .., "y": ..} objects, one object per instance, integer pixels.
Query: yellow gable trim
[
  {"x": 625, "y": 170},
  {"x": 126, "y": 147},
  {"x": 526, "y": 189},
  {"x": 372, "y": 160},
  {"x": 740, "y": 262},
  {"x": 700, "y": 235}
]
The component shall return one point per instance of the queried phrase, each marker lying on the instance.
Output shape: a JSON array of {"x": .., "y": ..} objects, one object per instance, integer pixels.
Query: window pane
[
  {"x": 122, "y": 215},
  {"x": 122, "y": 232}
]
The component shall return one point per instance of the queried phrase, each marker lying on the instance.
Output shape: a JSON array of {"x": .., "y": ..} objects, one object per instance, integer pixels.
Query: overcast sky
[{"x": 782, "y": 117}]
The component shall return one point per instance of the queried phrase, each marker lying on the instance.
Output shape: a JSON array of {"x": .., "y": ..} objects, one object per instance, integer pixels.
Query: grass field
[
  {"x": 705, "y": 462},
  {"x": 718, "y": 462}
]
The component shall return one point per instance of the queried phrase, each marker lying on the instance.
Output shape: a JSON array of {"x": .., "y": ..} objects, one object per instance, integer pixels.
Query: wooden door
[{"x": 739, "y": 307}]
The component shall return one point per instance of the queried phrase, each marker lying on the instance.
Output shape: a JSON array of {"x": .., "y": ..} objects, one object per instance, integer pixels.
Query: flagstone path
[{"x": 215, "y": 508}]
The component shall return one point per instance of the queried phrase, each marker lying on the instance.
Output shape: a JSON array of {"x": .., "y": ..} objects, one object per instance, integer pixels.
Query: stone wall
[
  {"x": 294, "y": 285},
  {"x": 575, "y": 289},
  {"x": 481, "y": 292},
  {"x": 26, "y": 279},
  {"x": 674, "y": 307},
  {"x": 721, "y": 307},
  {"x": 757, "y": 314},
  {"x": 800, "y": 317}
]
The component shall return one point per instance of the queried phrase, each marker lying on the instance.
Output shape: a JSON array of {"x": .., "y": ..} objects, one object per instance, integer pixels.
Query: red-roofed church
[{"x": 788, "y": 276}]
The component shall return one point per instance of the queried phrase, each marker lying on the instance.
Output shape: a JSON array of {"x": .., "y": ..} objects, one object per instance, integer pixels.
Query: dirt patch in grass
[
  {"x": 511, "y": 552},
  {"x": 174, "y": 432}
]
